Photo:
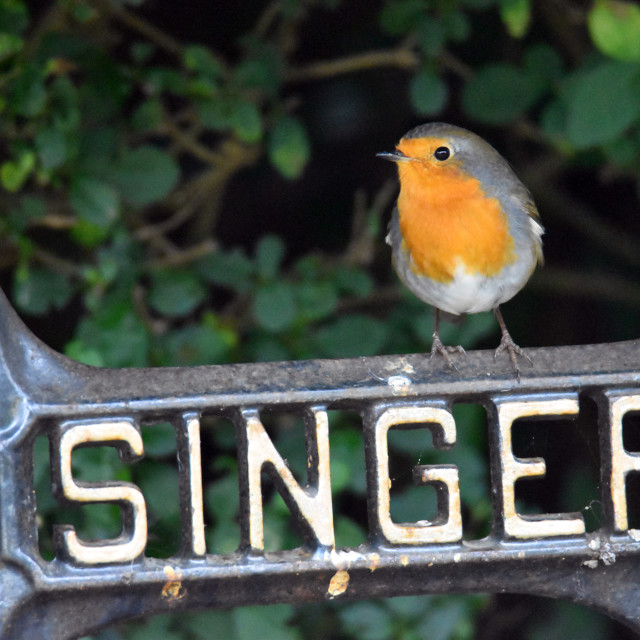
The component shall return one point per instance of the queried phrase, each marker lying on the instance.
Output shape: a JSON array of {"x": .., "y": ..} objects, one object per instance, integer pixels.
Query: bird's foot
[
  {"x": 507, "y": 344},
  {"x": 444, "y": 351}
]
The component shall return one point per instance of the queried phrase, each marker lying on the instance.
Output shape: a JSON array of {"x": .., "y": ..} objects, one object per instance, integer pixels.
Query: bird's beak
[{"x": 394, "y": 156}]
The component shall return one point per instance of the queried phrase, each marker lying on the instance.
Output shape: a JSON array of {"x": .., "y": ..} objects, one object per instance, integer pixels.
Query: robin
[{"x": 465, "y": 234}]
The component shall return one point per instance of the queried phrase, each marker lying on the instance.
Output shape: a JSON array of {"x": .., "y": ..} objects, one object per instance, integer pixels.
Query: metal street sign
[{"x": 94, "y": 583}]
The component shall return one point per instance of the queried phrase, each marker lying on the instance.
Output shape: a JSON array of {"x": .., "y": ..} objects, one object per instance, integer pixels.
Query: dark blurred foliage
[{"x": 191, "y": 183}]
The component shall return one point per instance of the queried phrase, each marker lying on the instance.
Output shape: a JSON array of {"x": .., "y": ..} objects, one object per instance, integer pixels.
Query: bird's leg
[
  {"x": 437, "y": 346},
  {"x": 508, "y": 344}
]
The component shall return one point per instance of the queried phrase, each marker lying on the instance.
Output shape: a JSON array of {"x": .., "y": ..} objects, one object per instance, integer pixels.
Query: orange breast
[{"x": 446, "y": 219}]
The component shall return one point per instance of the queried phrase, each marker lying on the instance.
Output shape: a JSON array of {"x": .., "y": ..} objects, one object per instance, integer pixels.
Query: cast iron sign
[{"x": 93, "y": 583}]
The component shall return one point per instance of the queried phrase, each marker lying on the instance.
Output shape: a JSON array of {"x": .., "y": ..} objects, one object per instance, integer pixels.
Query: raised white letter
[
  {"x": 128, "y": 546},
  {"x": 622, "y": 461},
  {"x": 311, "y": 504},
  {"x": 448, "y": 525},
  {"x": 512, "y": 468}
]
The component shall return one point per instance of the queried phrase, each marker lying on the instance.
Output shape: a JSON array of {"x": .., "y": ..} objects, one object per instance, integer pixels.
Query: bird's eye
[{"x": 442, "y": 153}]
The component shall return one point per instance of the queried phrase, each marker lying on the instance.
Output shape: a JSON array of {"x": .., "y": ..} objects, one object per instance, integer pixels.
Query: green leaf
[
  {"x": 367, "y": 621},
  {"x": 500, "y": 93},
  {"x": 614, "y": 26},
  {"x": 14, "y": 16},
  {"x": 431, "y": 36},
  {"x": 345, "y": 447},
  {"x": 14, "y": 173},
  {"x": 602, "y": 102},
  {"x": 195, "y": 345},
  {"x": 200, "y": 623},
  {"x": 116, "y": 334},
  {"x": 351, "y": 336},
  {"x": 9, "y": 44},
  {"x": 157, "y": 626},
  {"x": 221, "y": 501},
  {"x": 269, "y": 254},
  {"x": 266, "y": 623},
  {"x": 232, "y": 269},
  {"x": 400, "y": 16},
  {"x": 544, "y": 62},
  {"x": 77, "y": 350},
  {"x": 148, "y": 116},
  {"x": 445, "y": 620},
  {"x": 88, "y": 234},
  {"x": 31, "y": 208},
  {"x": 83, "y": 13},
  {"x": 289, "y": 147},
  {"x": 262, "y": 69},
  {"x": 457, "y": 25},
  {"x": 622, "y": 152},
  {"x": 28, "y": 95},
  {"x": 97, "y": 151},
  {"x": 200, "y": 59},
  {"x": 159, "y": 79},
  {"x": 51, "y": 145},
  {"x": 408, "y": 606},
  {"x": 267, "y": 348},
  {"x": 94, "y": 201},
  {"x": 142, "y": 52},
  {"x": 97, "y": 464},
  {"x": 246, "y": 121},
  {"x": 145, "y": 174},
  {"x": 316, "y": 300},
  {"x": 106, "y": 88},
  {"x": 353, "y": 281},
  {"x": 428, "y": 93},
  {"x": 553, "y": 120},
  {"x": 214, "y": 113},
  {"x": 478, "y": 4},
  {"x": 159, "y": 440},
  {"x": 274, "y": 306},
  {"x": 309, "y": 267},
  {"x": 67, "y": 45},
  {"x": 567, "y": 620},
  {"x": 516, "y": 15},
  {"x": 159, "y": 483},
  {"x": 175, "y": 293},
  {"x": 37, "y": 291},
  {"x": 200, "y": 87}
]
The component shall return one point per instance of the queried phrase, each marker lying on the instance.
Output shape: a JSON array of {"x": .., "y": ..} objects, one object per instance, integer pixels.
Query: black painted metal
[{"x": 40, "y": 388}]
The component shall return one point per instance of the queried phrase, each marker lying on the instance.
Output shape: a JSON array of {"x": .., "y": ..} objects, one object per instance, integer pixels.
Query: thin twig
[
  {"x": 451, "y": 63},
  {"x": 361, "y": 247},
  {"x": 141, "y": 26},
  {"x": 183, "y": 256},
  {"x": 402, "y": 58},
  {"x": 58, "y": 264},
  {"x": 54, "y": 221},
  {"x": 157, "y": 326},
  {"x": 267, "y": 18},
  {"x": 189, "y": 143},
  {"x": 143, "y": 234}
]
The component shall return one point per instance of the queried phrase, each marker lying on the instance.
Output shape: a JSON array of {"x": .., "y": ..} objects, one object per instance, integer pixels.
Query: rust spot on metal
[
  {"x": 339, "y": 583},
  {"x": 172, "y": 589}
]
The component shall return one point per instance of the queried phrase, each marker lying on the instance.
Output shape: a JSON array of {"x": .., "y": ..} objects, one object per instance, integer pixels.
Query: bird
[{"x": 465, "y": 233}]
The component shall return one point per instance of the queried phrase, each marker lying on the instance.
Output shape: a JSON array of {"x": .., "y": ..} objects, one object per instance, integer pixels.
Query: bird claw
[
  {"x": 444, "y": 351},
  {"x": 507, "y": 344}
]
